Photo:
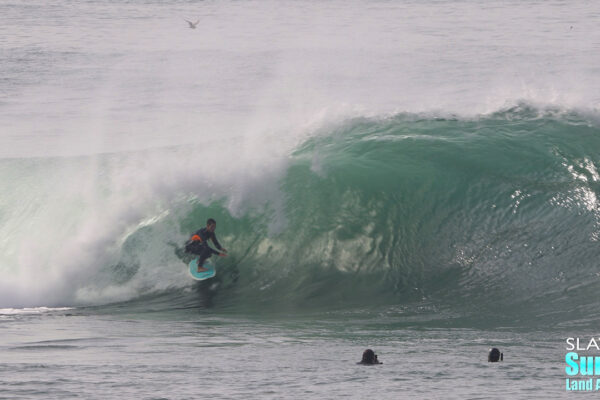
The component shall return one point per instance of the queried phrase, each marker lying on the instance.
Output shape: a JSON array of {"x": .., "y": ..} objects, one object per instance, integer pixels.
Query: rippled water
[{"x": 92, "y": 356}]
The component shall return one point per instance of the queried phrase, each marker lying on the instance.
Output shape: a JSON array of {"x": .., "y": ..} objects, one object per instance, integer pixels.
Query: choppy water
[
  {"x": 159, "y": 356},
  {"x": 419, "y": 178}
]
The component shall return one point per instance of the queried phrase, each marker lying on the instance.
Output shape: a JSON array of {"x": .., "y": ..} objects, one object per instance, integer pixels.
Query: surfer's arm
[
  {"x": 216, "y": 243},
  {"x": 219, "y": 253}
]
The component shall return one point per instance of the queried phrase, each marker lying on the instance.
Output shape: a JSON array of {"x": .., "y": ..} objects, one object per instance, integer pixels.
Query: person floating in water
[
  {"x": 198, "y": 244},
  {"x": 369, "y": 358}
]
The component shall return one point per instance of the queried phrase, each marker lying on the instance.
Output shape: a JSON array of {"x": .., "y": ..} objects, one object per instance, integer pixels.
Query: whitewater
[{"x": 420, "y": 178}]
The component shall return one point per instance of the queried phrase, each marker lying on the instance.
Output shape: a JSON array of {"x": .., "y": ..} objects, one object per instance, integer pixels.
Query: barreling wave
[{"x": 497, "y": 215}]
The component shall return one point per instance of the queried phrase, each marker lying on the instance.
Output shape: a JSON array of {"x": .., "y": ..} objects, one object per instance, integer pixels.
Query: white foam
[{"x": 32, "y": 310}]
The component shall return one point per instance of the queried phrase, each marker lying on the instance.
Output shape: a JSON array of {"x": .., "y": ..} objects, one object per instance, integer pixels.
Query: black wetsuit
[{"x": 201, "y": 248}]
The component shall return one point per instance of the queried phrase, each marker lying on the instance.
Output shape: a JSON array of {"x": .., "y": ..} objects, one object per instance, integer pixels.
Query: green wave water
[{"x": 490, "y": 217}]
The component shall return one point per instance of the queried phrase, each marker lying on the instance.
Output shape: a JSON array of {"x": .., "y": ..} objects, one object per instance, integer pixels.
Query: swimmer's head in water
[
  {"x": 369, "y": 357},
  {"x": 494, "y": 355}
]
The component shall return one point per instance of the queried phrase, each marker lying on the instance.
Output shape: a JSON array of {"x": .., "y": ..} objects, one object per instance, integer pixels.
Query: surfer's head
[
  {"x": 494, "y": 355},
  {"x": 369, "y": 357},
  {"x": 211, "y": 224}
]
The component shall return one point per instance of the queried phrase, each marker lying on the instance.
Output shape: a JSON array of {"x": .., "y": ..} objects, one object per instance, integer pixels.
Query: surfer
[
  {"x": 198, "y": 244},
  {"x": 494, "y": 355},
  {"x": 369, "y": 358}
]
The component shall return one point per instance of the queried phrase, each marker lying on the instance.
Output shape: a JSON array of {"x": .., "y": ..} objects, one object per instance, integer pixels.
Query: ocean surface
[{"x": 417, "y": 177}]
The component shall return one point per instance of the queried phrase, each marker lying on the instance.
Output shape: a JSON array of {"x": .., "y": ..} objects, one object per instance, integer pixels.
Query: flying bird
[{"x": 192, "y": 24}]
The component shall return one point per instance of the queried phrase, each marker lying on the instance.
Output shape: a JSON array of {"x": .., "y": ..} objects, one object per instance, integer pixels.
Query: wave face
[
  {"x": 489, "y": 215},
  {"x": 496, "y": 216}
]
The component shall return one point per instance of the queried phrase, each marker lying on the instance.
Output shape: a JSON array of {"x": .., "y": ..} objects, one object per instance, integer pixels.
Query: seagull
[{"x": 192, "y": 24}]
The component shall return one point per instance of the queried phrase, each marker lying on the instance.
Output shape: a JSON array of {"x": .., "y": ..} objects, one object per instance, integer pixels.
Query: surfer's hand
[{"x": 223, "y": 249}]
